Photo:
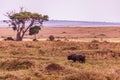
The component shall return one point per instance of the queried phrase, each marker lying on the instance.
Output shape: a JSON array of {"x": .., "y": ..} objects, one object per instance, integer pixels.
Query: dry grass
[
  {"x": 15, "y": 64},
  {"x": 46, "y": 60}
]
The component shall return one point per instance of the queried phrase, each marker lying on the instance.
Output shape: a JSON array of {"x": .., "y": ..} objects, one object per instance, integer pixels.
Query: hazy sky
[{"x": 82, "y": 10}]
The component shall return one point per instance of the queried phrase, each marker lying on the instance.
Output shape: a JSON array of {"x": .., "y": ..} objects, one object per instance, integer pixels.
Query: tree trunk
[
  {"x": 19, "y": 37},
  {"x": 35, "y": 37}
]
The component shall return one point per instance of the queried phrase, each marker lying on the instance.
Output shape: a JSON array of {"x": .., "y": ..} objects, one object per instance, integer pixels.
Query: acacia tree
[{"x": 22, "y": 21}]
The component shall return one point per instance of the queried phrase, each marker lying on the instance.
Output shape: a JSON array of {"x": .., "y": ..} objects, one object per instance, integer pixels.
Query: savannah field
[
  {"x": 47, "y": 60},
  {"x": 78, "y": 34}
]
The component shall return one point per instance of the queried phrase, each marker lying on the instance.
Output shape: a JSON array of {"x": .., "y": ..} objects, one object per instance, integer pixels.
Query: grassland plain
[{"x": 45, "y": 60}]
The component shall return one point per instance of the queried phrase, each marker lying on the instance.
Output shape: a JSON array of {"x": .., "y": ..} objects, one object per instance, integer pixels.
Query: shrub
[
  {"x": 9, "y": 38},
  {"x": 51, "y": 38},
  {"x": 70, "y": 48},
  {"x": 35, "y": 40},
  {"x": 54, "y": 67},
  {"x": 94, "y": 41},
  {"x": 64, "y": 32}
]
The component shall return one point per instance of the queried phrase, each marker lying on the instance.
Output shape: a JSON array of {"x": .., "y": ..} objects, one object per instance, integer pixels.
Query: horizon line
[{"x": 75, "y": 20}]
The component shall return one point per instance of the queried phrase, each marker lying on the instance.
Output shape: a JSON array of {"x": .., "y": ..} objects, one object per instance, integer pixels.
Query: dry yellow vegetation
[{"x": 45, "y": 60}]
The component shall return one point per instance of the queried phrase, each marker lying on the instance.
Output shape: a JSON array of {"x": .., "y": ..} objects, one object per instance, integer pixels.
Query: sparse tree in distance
[{"x": 22, "y": 21}]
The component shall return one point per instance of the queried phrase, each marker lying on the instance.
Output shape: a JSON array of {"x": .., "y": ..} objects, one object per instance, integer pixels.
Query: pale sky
[{"x": 80, "y": 10}]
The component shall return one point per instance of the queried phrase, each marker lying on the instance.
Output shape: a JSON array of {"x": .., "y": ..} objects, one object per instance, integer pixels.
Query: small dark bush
[
  {"x": 94, "y": 41},
  {"x": 70, "y": 48},
  {"x": 51, "y": 38},
  {"x": 73, "y": 48},
  {"x": 64, "y": 32},
  {"x": 35, "y": 40},
  {"x": 9, "y": 38},
  {"x": 54, "y": 67}
]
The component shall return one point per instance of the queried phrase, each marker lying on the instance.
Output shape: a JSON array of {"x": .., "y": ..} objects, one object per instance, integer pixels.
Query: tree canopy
[{"x": 34, "y": 30}]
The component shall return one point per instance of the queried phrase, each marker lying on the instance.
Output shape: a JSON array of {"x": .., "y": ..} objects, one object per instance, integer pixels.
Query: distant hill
[{"x": 65, "y": 23}]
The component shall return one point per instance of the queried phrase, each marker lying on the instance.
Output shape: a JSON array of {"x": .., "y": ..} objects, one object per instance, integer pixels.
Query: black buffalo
[{"x": 77, "y": 57}]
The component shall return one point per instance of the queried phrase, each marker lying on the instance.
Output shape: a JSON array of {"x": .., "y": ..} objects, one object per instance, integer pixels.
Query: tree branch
[{"x": 32, "y": 22}]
